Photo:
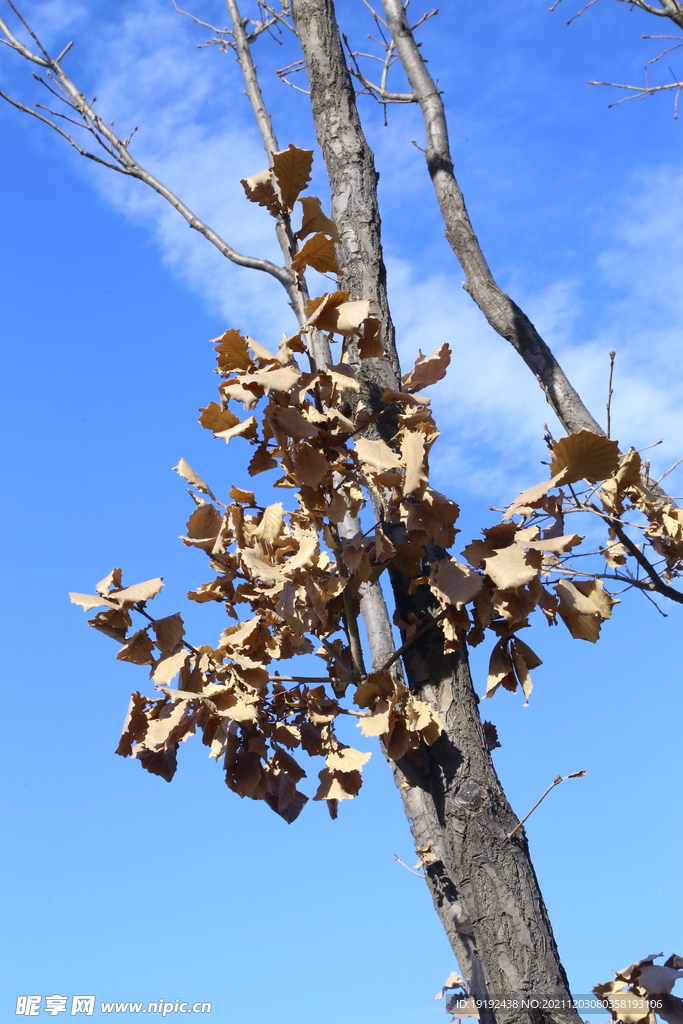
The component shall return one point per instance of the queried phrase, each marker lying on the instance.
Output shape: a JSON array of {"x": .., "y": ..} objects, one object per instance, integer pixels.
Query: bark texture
[{"x": 483, "y": 885}]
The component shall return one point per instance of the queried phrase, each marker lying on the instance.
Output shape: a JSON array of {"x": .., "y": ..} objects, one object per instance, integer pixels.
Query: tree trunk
[{"x": 483, "y": 885}]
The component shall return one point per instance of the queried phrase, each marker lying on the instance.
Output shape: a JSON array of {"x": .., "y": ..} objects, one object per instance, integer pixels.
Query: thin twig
[
  {"x": 412, "y": 870},
  {"x": 610, "y": 392},
  {"x": 556, "y": 781}
]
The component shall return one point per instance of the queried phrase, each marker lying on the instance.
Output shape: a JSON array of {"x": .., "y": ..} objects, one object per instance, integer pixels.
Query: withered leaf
[
  {"x": 270, "y": 524},
  {"x": 187, "y": 472},
  {"x": 137, "y": 594},
  {"x": 232, "y": 352},
  {"x": 500, "y": 670},
  {"x": 315, "y": 220},
  {"x": 111, "y": 581},
  {"x": 169, "y": 667},
  {"x": 512, "y": 567},
  {"x": 310, "y": 465},
  {"x": 290, "y": 420},
  {"x": 318, "y": 252},
  {"x": 524, "y": 659},
  {"x": 261, "y": 461},
  {"x": 259, "y": 189},
  {"x": 585, "y": 456},
  {"x": 531, "y": 498},
  {"x": 245, "y": 497},
  {"x": 454, "y": 583},
  {"x": 244, "y": 428},
  {"x": 413, "y": 456},
  {"x": 89, "y": 601},
  {"x": 377, "y": 454},
  {"x": 377, "y": 724},
  {"x": 584, "y": 605},
  {"x": 169, "y": 633},
  {"x": 138, "y": 650},
  {"x": 135, "y": 724},
  {"x": 203, "y": 527},
  {"x": 215, "y": 418},
  {"x": 336, "y": 785},
  {"x": 114, "y": 622},
  {"x": 292, "y": 170},
  {"x": 377, "y": 684},
  {"x": 428, "y": 369},
  {"x": 346, "y": 759}
]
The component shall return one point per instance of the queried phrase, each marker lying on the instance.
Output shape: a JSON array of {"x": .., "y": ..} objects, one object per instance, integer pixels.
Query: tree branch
[
  {"x": 122, "y": 157},
  {"x": 506, "y": 318}
]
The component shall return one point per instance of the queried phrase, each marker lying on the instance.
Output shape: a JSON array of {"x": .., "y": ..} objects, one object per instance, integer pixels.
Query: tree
[{"x": 425, "y": 655}]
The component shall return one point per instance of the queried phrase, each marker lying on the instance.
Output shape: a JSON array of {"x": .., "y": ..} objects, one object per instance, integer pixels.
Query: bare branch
[
  {"x": 506, "y": 318},
  {"x": 123, "y": 161},
  {"x": 610, "y": 392},
  {"x": 556, "y": 781},
  {"x": 641, "y": 91},
  {"x": 70, "y": 140}
]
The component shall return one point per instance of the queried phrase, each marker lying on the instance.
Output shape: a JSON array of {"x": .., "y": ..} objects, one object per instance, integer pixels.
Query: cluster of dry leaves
[
  {"x": 300, "y": 576},
  {"x": 643, "y": 987}
]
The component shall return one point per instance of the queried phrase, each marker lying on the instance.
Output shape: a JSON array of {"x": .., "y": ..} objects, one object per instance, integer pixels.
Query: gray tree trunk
[{"x": 483, "y": 885}]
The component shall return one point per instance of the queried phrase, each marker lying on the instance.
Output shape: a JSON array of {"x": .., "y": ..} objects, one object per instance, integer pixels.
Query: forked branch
[{"x": 119, "y": 157}]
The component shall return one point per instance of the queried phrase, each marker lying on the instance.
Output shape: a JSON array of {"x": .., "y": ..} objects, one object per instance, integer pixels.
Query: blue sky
[{"x": 121, "y": 885}]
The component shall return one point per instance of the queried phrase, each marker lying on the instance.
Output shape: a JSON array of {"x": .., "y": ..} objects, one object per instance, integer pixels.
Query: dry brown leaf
[
  {"x": 370, "y": 343},
  {"x": 377, "y": 454},
  {"x": 584, "y": 605},
  {"x": 167, "y": 668},
  {"x": 169, "y": 633},
  {"x": 215, "y": 418},
  {"x": 203, "y": 527},
  {"x": 245, "y": 497},
  {"x": 532, "y": 497},
  {"x": 315, "y": 220},
  {"x": 524, "y": 659},
  {"x": 377, "y": 684},
  {"x": 310, "y": 465},
  {"x": 338, "y": 785},
  {"x": 585, "y": 456},
  {"x": 187, "y": 472},
  {"x": 137, "y": 594},
  {"x": 414, "y": 458},
  {"x": 270, "y": 524},
  {"x": 135, "y": 724},
  {"x": 261, "y": 461},
  {"x": 318, "y": 252},
  {"x": 259, "y": 189},
  {"x": 263, "y": 354},
  {"x": 232, "y": 352},
  {"x": 114, "y": 622},
  {"x": 377, "y": 724},
  {"x": 139, "y": 649},
  {"x": 279, "y": 378},
  {"x": 244, "y": 428},
  {"x": 346, "y": 759},
  {"x": 454, "y": 583},
  {"x": 513, "y": 567},
  {"x": 293, "y": 424},
  {"x": 500, "y": 670},
  {"x": 89, "y": 601},
  {"x": 428, "y": 369},
  {"x": 292, "y": 170},
  {"x": 555, "y": 545},
  {"x": 112, "y": 580}
]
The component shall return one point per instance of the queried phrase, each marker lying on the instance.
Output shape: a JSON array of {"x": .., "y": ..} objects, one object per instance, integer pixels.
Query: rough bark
[
  {"x": 351, "y": 169},
  {"x": 483, "y": 885}
]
